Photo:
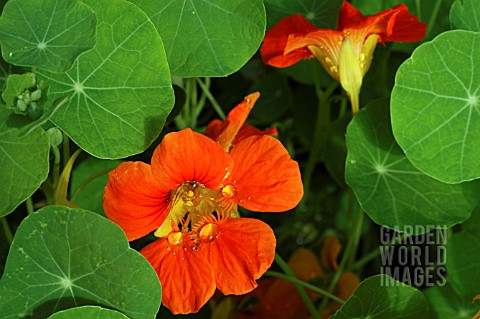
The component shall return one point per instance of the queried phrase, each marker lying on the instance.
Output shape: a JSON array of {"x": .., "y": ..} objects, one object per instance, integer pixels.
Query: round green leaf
[
  {"x": 91, "y": 195},
  {"x": 49, "y": 35},
  {"x": 207, "y": 38},
  {"x": 322, "y": 13},
  {"x": 389, "y": 188},
  {"x": 436, "y": 107},
  {"x": 88, "y": 312},
  {"x": 120, "y": 92},
  {"x": 446, "y": 304},
  {"x": 383, "y": 297},
  {"x": 465, "y": 14},
  {"x": 62, "y": 258},
  {"x": 23, "y": 163},
  {"x": 463, "y": 259}
]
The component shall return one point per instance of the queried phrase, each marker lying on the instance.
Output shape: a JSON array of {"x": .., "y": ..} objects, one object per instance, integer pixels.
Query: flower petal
[
  {"x": 189, "y": 156},
  {"x": 187, "y": 278},
  {"x": 227, "y": 132},
  {"x": 240, "y": 254},
  {"x": 275, "y": 41},
  {"x": 330, "y": 251},
  {"x": 405, "y": 27},
  {"x": 134, "y": 200},
  {"x": 394, "y": 24},
  {"x": 324, "y": 44},
  {"x": 214, "y": 129},
  {"x": 349, "y": 16},
  {"x": 266, "y": 179}
]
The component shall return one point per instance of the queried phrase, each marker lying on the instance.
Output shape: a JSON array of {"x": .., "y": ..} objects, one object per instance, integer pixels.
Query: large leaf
[
  {"x": 120, "y": 92},
  {"x": 436, "y": 107},
  {"x": 23, "y": 163},
  {"x": 88, "y": 312},
  {"x": 322, "y": 13},
  {"x": 383, "y": 297},
  {"x": 62, "y": 258},
  {"x": 49, "y": 34},
  {"x": 465, "y": 14},
  {"x": 390, "y": 189},
  {"x": 207, "y": 37},
  {"x": 463, "y": 259}
]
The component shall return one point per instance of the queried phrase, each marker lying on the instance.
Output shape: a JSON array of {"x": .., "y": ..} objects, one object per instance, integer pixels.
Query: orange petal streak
[
  {"x": 242, "y": 251},
  {"x": 134, "y": 200},
  {"x": 235, "y": 120},
  {"x": 189, "y": 156},
  {"x": 186, "y": 276},
  {"x": 265, "y": 177}
]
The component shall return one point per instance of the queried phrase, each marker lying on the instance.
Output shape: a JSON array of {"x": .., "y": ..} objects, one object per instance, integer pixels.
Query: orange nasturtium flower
[
  {"x": 345, "y": 53},
  {"x": 189, "y": 196}
]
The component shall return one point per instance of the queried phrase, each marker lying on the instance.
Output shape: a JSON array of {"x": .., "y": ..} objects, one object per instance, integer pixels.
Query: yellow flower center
[{"x": 192, "y": 205}]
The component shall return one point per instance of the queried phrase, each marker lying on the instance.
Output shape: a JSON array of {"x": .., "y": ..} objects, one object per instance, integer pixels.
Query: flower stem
[
  {"x": 6, "y": 230},
  {"x": 319, "y": 136},
  {"x": 56, "y": 165},
  {"x": 86, "y": 182},
  {"x": 349, "y": 250},
  {"x": 433, "y": 18},
  {"x": 303, "y": 294},
  {"x": 65, "y": 149},
  {"x": 211, "y": 98},
  {"x": 29, "y": 204},
  {"x": 304, "y": 284},
  {"x": 376, "y": 252}
]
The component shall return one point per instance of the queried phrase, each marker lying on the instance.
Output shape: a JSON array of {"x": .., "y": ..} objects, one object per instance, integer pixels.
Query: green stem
[
  {"x": 303, "y": 294},
  {"x": 319, "y": 135},
  {"x": 65, "y": 149},
  {"x": 418, "y": 7},
  {"x": 346, "y": 256},
  {"x": 7, "y": 231},
  {"x": 211, "y": 98},
  {"x": 304, "y": 284},
  {"x": 56, "y": 165},
  {"x": 376, "y": 252},
  {"x": 86, "y": 182},
  {"x": 356, "y": 240},
  {"x": 433, "y": 18},
  {"x": 29, "y": 204}
]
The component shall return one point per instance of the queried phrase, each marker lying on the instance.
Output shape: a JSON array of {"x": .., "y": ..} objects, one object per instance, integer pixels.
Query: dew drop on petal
[
  {"x": 169, "y": 248},
  {"x": 195, "y": 248}
]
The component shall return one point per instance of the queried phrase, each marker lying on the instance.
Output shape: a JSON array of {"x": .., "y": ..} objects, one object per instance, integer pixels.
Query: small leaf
[
  {"x": 386, "y": 184},
  {"x": 17, "y": 84},
  {"x": 24, "y": 163},
  {"x": 465, "y": 14},
  {"x": 120, "y": 92},
  {"x": 62, "y": 258},
  {"x": 49, "y": 35},
  {"x": 383, "y": 297},
  {"x": 88, "y": 312},
  {"x": 436, "y": 107},
  {"x": 207, "y": 38}
]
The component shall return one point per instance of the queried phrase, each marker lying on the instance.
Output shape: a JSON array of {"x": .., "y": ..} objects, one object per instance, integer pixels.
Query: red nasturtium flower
[
  {"x": 345, "y": 53},
  {"x": 189, "y": 196}
]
